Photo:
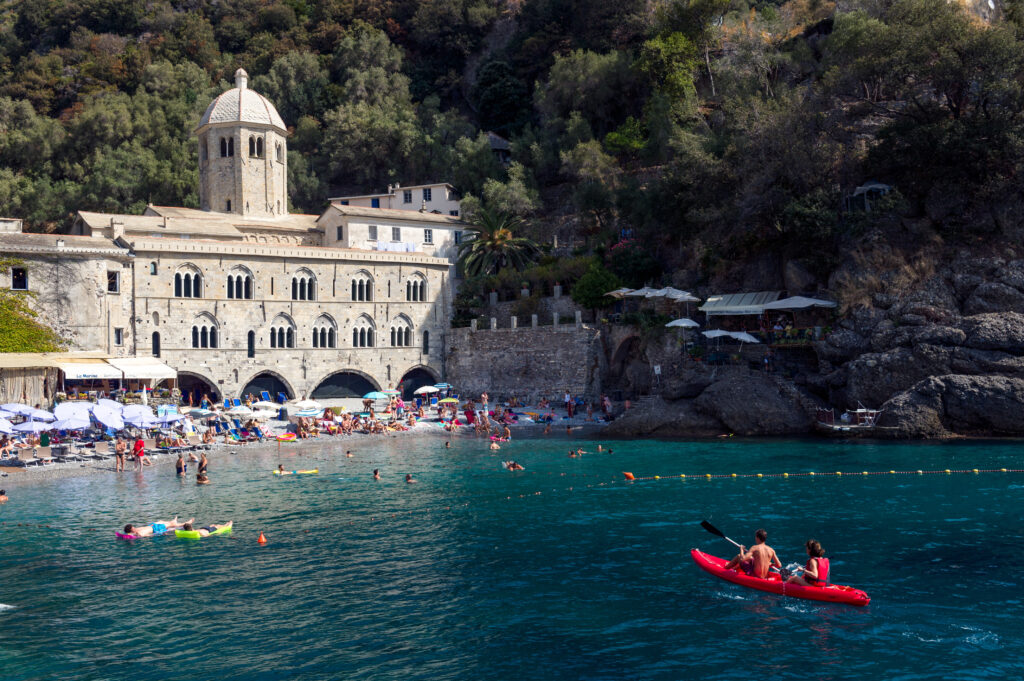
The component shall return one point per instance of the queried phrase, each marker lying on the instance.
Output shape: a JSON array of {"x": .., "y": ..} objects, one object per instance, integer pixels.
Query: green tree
[
  {"x": 296, "y": 84},
  {"x": 591, "y": 289},
  {"x": 490, "y": 245}
]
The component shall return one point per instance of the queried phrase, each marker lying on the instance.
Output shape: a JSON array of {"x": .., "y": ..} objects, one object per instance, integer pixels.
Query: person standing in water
[
  {"x": 376, "y": 474},
  {"x": 180, "y": 466},
  {"x": 408, "y": 478},
  {"x": 203, "y": 463}
]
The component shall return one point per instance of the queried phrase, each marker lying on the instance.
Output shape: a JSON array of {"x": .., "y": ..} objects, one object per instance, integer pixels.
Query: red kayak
[{"x": 833, "y": 593}]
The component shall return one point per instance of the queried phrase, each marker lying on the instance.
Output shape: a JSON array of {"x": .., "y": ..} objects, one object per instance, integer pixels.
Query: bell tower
[{"x": 243, "y": 154}]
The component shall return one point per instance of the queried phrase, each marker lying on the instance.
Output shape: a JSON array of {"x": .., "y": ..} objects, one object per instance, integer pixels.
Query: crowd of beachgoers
[{"x": 80, "y": 437}]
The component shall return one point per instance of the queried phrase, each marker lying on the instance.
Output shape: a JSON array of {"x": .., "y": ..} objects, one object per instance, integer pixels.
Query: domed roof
[{"x": 242, "y": 105}]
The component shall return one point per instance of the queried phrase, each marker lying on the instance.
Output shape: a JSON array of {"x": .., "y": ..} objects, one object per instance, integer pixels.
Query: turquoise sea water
[{"x": 563, "y": 571}]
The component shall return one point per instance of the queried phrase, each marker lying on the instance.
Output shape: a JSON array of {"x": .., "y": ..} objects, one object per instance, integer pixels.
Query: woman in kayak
[{"x": 817, "y": 568}]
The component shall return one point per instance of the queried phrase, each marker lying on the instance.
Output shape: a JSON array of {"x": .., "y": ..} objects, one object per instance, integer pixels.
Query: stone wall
[{"x": 526, "y": 362}]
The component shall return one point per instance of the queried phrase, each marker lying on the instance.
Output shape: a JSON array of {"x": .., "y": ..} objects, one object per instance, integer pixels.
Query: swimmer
[
  {"x": 580, "y": 451},
  {"x": 348, "y": 453},
  {"x": 600, "y": 448},
  {"x": 180, "y": 466},
  {"x": 610, "y": 451},
  {"x": 513, "y": 466},
  {"x": 547, "y": 429},
  {"x": 376, "y": 474},
  {"x": 495, "y": 445},
  {"x": 205, "y": 531},
  {"x": 572, "y": 454},
  {"x": 408, "y": 478},
  {"x": 281, "y": 470},
  {"x": 155, "y": 528},
  {"x": 202, "y": 479},
  {"x": 193, "y": 458},
  {"x": 448, "y": 445},
  {"x": 3, "y": 496}
]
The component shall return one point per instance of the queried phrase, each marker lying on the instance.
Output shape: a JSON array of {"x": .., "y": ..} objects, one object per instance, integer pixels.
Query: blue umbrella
[
  {"x": 443, "y": 386},
  {"x": 375, "y": 395},
  {"x": 76, "y": 422},
  {"x": 6, "y": 427},
  {"x": 17, "y": 408},
  {"x": 108, "y": 417},
  {"x": 41, "y": 415}
]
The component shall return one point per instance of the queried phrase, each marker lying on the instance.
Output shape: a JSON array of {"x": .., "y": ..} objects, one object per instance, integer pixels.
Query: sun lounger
[
  {"x": 265, "y": 396},
  {"x": 236, "y": 402},
  {"x": 282, "y": 398},
  {"x": 66, "y": 452},
  {"x": 227, "y": 403},
  {"x": 100, "y": 450},
  {"x": 44, "y": 455},
  {"x": 197, "y": 443}
]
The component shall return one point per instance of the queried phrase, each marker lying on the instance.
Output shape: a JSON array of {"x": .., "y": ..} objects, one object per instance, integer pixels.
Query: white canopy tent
[
  {"x": 145, "y": 368},
  {"x": 95, "y": 370},
  {"x": 619, "y": 293},
  {"x": 738, "y": 303},
  {"x": 798, "y": 303}
]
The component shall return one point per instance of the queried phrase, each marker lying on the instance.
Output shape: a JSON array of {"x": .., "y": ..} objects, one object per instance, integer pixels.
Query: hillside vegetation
[{"x": 706, "y": 133}]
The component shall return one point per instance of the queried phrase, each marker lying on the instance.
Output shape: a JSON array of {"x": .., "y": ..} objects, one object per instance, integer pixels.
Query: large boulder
[
  {"x": 658, "y": 418},
  {"x": 753, "y": 404},
  {"x": 993, "y": 296},
  {"x": 943, "y": 405},
  {"x": 873, "y": 378},
  {"x": 995, "y": 331}
]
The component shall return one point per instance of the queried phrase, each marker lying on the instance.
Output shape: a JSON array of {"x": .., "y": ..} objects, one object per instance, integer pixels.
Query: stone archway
[
  {"x": 342, "y": 384},
  {"x": 629, "y": 371},
  {"x": 416, "y": 377},
  {"x": 270, "y": 382},
  {"x": 197, "y": 385}
]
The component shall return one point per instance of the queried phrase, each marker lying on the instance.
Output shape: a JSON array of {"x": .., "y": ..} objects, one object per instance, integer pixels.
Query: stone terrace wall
[{"x": 526, "y": 362}]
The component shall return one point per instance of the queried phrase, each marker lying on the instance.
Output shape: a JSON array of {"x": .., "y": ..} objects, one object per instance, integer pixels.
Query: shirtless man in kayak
[{"x": 758, "y": 560}]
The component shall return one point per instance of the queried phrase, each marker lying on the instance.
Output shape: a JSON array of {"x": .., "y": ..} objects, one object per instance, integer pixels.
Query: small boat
[
  {"x": 832, "y": 593},
  {"x": 851, "y": 422}
]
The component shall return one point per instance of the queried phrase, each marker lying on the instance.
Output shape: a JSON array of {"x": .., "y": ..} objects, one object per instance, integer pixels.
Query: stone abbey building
[{"x": 240, "y": 295}]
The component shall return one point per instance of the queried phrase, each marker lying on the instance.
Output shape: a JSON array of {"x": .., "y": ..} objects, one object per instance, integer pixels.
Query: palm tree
[{"x": 491, "y": 245}]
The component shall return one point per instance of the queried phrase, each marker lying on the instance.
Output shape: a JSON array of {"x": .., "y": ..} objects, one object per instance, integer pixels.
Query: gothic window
[
  {"x": 188, "y": 283},
  {"x": 251, "y": 344},
  {"x": 304, "y": 285},
  {"x": 401, "y": 332},
  {"x": 223, "y": 147},
  {"x": 426, "y": 342},
  {"x": 231, "y": 146},
  {"x": 325, "y": 333},
  {"x": 416, "y": 288},
  {"x": 282, "y": 332},
  {"x": 362, "y": 287},
  {"x": 240, "y": 284},
  {"x": 204, "y": 332},
  {"x": 156, "y": 343},
  {"x": 362, "y": 332},
  {"x": 152, "y": 268},
  {"x": 259, "y": 147},
  {"x": 252, "y": 145}
]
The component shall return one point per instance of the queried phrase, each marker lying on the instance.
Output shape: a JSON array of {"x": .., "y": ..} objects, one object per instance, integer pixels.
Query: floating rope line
[{"x": 809, "y": 474}]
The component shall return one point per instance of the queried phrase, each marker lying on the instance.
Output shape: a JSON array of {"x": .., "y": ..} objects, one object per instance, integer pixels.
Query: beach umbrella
[
  {"x": 619, "y": 293},
  {"x": 443, "y": 386},
  {"x": 375, "y": 395},
  {"x": 41, "y": 415},
  {"x": 744, "y": 337},
  {"x": 74, "y": 422},
  {"x": 715, "y": 333},
  {"x": 660, "y": 293},
  {"x": 308, "y": 404},
  {"x": 448, "y": 400},
  {"x": 199, "y": 411},
  {"x": 17, "y": 408},
  {"x": 168, "y": 419},
  {"x": 263, "y": 404},
  {"x": 240, "y": 410},
  {"x": 263, "y": 414},
  {"x": 142, "y": 420},
  {"x": 425, "y": 389},
  {"x": 683, "y": 296},
  {"x": 392, "y": 391},
  {"x": 7, "y": 414},
  {"x": 683, "y": 323},
  {"x": 5, "y": 427},
  {"x": 110, "y": 404},
  {"x": 108, "y": 417},
  {"x": 137, "y": 410},
  {"x": 32, "y": 427},
  {"x": 640, "y": 292},
  {"x": 66, "y": 410}
]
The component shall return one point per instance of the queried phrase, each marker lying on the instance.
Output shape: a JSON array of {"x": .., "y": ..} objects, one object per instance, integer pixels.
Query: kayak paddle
[{"x": 717, "y": 532}]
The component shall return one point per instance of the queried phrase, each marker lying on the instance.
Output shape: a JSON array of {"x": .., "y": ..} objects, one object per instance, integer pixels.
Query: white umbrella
[
  {"x": 683, "y": 296},
  {"x": 619, "y": 293},
  {"x": 660, "y": 293},
  {"x": 199, "y": 411},
  {"x": 137, "y": 410},
  {"x": 263, "y": 404},
  {"x": 66, "y": 410},
  {"x": 17, "y": 408},
  {"x": 6, "y": 427},
  {"x": 308, "y": 404},
  {"x": 32, "y": 427},
  {"x": 108, "y": 417},
  {"x": 425, "y": 389},
  {"x": 263, "y": 414},
  {"x": 715, "y": 333},
  {"x": 683, "y": 323},
  {"x": 240, "y": 410},
  {"x": 41, "y": 415},
  {"x": 142, "y": 420},
  {"x": 75, "y": 422},
  {"x": 640, "y": 292},
  {"x": 111, "y": 404},
  {"x": 7, "y": 414},
  {"x": 168, "y": 419},
  {"x": 743, "y": 337},
  {"x": 798, "y": 303}
]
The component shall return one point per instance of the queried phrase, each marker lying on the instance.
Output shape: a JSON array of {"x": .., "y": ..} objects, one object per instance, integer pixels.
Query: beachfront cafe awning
[
  {"x": 145, "y": 368},
  {"x": 738, "y": 303},
  {"x": 88, "y": 371},
  {"x": 798, "y": 303}
]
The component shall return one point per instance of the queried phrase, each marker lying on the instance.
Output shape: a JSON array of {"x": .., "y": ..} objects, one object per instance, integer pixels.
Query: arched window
[
  {"x": 325, "y": 332},
  {"x": 423, "y": 290},
  {"x": 259, "y": 148},
  {"x": 223, "y": 147},
  {"x": 401, "y": 332},
  {"x": 240, "y": 283},
  {"x": 362, "y": 286},
  {"x": 251, "y": 344},
  {"x": 426, "y": 342},
  {"x": 204, "y": 332},
  {"x": 252, "y": 145},
  {"x": 280, "y": 154},
  {"x": 303, "y": 285},
  {"x": 152, "y": 268},
  {"x": 416, "y": 288},
  {"x": 231, "y": 146},
  {"x": 156, "y": 343},
  {"x": 362, "y": 332},
  {"x": 282, "y": 332},
  {"x": 188, "y": 283}
]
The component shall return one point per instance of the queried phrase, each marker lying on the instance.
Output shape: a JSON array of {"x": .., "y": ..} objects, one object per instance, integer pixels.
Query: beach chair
[
  {"x": 43, "y": 455},
  {"x": 281, "y": 398},
  {"x": 150, "y": 446},
  {"x": 236, "y": 402},
  {"x": 196, "y": 443},
  {"x": 227, "y": 403},
  {"x": 101, "y": 450},
  {"x": 64, "y": 453},
  {"x": 27, "y": 458},
  {"x": 265, "y": 396},
  {"x": 433, "y": 402}
]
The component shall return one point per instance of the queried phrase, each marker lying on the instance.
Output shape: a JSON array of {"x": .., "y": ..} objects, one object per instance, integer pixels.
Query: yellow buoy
[
  {"x": 709, "y": 475},
  {"x": 975, "y": 470},
  {"x": 893, "y": 472},
  {"x": 864, "y": 472},
  {"x": 839, "y": 472},
  {"x": 734, "y": 475},
  {"x": 760, "y": 475},
  {"x": 948, "y": 471},
  {"x": 1003, "y": 469},
  {"x": 920, "y": 472},
  {"x": 785, "y": 475},
  {"x": 682, "y": 475},
  {"x": 657, "y": 477},
  {"x": 811, "y": 473}
]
